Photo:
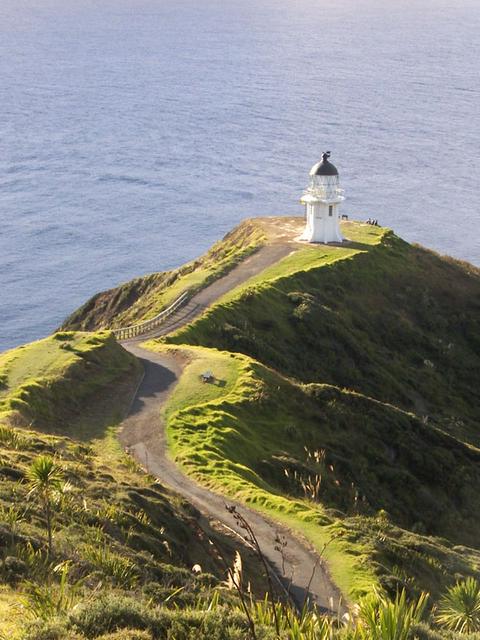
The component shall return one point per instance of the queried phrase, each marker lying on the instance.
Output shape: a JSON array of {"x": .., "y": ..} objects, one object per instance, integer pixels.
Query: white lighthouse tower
[{"x": 322, "y": 203}]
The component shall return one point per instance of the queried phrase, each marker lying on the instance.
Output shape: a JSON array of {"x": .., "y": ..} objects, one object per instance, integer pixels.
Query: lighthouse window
[{"x": 330, "y": 210}]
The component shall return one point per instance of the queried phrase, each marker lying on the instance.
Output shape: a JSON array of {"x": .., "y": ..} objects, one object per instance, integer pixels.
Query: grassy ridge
[
  {"x": 50, "y": 383},
  {"x": 392, "y": 321},
  {"x": 254, "y": 435},
  {"x": 143, "y": 298},
  {"x": 304, "y": 257}
]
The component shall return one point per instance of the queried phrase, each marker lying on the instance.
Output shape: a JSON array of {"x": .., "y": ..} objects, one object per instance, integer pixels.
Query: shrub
[
  {"x": 110, "y": 613},
  {"x": 51, "y": 630},
  {"x": 385, "y": 619},
  {"x": 35, "y": 560},
  {"x": 187, "y": 624},
  {"x": 127, "y": 634},
  {"x": 124, "y": 617},
  {"x": 49, "y": 600},
  {"x": 122, "y": 571},
  {"x": 9, "y": 437},
  {"x": 423, "y": 631},
  {"x": 64, "y": 335},
  {"x": 13, "y": 569}
]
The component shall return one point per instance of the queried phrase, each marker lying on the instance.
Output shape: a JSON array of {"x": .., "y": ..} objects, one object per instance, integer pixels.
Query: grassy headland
[
  {"x": 345, "y": 405},
  {"x": 367, "y": 354}
]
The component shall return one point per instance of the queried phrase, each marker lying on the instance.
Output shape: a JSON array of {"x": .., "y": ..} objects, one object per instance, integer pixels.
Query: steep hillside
[
  {"x": 51, "y": 383},
  {"x": 327, "y": 460},
  {"x": 143, "y": 298},
  {"x": 393, "y": 321}
]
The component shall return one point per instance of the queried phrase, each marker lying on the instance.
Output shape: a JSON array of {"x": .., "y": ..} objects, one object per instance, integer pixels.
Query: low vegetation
[{"x": 79, "y": 528}]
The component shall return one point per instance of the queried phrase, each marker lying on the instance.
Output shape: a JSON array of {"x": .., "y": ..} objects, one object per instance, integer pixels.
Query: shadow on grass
[
  {"x": 352, "y": 244},
  {"x": 100, "y": 413}
]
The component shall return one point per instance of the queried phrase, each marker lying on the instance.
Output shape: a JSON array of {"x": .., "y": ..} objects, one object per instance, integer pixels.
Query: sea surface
[{"x": 135, "y": 133}]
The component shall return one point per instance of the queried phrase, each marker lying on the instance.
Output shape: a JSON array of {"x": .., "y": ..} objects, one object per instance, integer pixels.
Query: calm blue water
[{"x": 134, "y": 133}]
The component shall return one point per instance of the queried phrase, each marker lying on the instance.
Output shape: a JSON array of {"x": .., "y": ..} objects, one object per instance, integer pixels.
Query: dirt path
[
  {"x": 144, "y": 433},
  {"x": 257, "y": 262}
]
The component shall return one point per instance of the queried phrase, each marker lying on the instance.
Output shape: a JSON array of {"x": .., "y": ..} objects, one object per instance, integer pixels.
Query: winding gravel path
[
  {"x": 301, "y": 570},
  {"x": 143, "y": 432}
]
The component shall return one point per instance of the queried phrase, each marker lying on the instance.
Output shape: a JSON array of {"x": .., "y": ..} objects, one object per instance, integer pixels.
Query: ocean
[{"x": 135, "y": 133}]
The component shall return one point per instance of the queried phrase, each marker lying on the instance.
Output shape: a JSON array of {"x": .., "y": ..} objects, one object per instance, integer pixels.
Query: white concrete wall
[{"x": 320, "y": 226}]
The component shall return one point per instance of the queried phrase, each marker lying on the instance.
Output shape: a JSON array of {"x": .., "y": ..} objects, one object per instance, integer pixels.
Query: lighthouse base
[{"x": 322, "y": 232}]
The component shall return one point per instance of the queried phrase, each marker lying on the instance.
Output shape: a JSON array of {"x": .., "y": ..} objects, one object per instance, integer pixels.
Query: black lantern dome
[{"x": 324, "y": 167}]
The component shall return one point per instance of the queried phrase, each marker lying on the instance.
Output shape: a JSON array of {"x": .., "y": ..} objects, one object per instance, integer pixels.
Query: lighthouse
[{"x": 322, "y": 203}]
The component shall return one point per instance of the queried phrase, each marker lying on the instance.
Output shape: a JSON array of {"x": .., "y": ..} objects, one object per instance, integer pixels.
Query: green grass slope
[
  {"x": 143, "y": 298},
  {"x": 378, "y": 485},
  {"x": 55, "y": 382},
  {"x": 390, "y": 320}
]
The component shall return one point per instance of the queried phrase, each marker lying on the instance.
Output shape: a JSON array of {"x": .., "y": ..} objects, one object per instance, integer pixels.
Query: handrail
[{"x": 144, "y": 327}]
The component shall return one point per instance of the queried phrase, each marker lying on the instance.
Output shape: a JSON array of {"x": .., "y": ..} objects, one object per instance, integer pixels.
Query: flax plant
[
  {"x": 459, "y": 609},
  {"x": 45, "y": 479},
  {"x": 383, "y": 619}
]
